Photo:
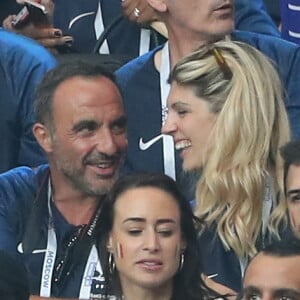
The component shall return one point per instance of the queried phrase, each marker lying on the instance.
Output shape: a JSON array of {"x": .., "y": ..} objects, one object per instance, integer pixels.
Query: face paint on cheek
[{"x": 120, "y": 250}]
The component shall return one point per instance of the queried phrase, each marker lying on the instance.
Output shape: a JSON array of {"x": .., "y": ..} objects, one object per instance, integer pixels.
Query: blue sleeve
[{"x": 251, "y": 15}]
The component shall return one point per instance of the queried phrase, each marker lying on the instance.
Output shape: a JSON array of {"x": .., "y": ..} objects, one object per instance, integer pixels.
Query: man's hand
[{"x": 139, "y": 11}]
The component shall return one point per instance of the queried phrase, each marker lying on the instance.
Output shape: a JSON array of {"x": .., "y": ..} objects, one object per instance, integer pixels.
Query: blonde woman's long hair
[{"x": 242, "y": 87}]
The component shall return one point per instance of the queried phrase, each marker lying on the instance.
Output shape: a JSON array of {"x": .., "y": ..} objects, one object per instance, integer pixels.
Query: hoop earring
[
  {"x": 111, "y": 263},
  {"x": 181, "y": 262}
]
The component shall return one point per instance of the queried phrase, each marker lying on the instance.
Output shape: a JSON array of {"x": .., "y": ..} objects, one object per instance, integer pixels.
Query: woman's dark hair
[{"x": 188, "y": 283}]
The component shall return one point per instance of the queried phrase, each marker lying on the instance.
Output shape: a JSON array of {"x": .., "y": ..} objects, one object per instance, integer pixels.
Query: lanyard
[
  {"x": 99, "y": 28},
  {"x": 50, "y": 257},
  {"x": 168, "y": 144}
]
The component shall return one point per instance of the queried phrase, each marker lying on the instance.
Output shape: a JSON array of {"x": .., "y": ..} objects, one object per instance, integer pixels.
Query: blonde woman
[{"x": 228, "y": 120}]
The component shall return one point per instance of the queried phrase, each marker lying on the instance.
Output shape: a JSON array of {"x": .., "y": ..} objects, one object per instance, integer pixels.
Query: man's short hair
[
  {"x": 49, "y": 84},
  {"x": 290, "y": 153},
  {"x": 283, "y": 248}
]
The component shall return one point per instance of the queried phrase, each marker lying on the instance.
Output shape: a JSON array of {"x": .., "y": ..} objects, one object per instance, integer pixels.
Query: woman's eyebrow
[
  {"x": 163, "y": 221},
  {"x": 134, "y": 219}
]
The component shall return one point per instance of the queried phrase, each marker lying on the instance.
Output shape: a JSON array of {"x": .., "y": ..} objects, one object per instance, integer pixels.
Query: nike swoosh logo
[
  {"x": 146, "y": 145},
  {"x": 20, "y": 249}
]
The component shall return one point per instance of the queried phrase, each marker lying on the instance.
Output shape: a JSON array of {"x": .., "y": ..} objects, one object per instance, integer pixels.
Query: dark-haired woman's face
[{"x": 146, "y": 238}]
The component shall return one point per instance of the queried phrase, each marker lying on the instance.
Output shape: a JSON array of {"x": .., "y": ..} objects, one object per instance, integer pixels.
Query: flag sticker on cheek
[{"x": 120, "y": 250}]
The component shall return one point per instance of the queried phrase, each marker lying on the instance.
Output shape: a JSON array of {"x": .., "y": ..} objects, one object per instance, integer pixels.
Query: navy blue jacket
[
  {"x": 22, "y": 65},
  {"x": 24, "y": 220}
]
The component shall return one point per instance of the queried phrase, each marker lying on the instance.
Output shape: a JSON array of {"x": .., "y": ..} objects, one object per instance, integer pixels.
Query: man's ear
[
  {"x": 158, "y": 5},
  {"x": 43, "y": 136}
]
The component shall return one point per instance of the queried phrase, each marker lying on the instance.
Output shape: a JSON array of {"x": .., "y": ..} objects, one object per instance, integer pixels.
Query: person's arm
[{"x": 145, "y": 13}]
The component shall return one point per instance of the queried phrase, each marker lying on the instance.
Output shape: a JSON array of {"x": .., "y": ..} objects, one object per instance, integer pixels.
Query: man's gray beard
[{"x": 85, "y": 188}]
